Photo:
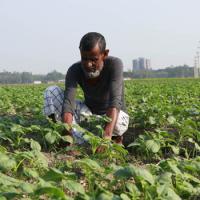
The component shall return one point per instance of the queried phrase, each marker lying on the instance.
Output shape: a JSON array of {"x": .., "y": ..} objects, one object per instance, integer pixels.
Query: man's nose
[{"x": 89, "y": 64}]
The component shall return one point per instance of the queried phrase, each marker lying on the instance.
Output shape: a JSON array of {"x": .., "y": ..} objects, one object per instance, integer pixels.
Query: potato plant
[{"x": 160, "y": 158}]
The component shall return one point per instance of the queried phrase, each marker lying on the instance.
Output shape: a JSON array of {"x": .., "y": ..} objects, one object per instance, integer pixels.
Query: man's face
[{"x": 93, "y": 62}]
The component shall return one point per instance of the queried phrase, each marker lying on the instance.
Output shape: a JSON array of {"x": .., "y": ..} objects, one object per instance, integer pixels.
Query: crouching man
[{"x": 101, "y": 78}]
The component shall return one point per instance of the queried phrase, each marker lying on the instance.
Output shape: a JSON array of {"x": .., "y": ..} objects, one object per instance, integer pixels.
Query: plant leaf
[
  {"x": 35, "y": 145},
  {"x": 152, "y": 146},
  {"x": 73, "y": 186},
  {"x": 152, "y": 120},
  {"x": 171, "y": 119},
  {"x": 50, "y": 137}
]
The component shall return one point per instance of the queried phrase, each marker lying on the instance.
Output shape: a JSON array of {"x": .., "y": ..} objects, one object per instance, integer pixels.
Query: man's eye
[
  {"x": 84, "y": 59},
  {"x": 89, "y": 59},
  {"x": 94, "y": 60}
]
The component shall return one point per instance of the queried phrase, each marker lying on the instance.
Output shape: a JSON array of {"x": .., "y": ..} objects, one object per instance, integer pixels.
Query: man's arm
[
  {"x": 68, "y": 118},
  {"x": 112, "y": 113},
  {"x": 69, "y": 95},
  {"x": 116, "y": 87}
]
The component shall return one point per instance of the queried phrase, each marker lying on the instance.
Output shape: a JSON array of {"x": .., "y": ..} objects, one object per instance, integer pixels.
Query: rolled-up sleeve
[
  {"x": 116, "y": 84},
  {"x": 70, "y": 90}
]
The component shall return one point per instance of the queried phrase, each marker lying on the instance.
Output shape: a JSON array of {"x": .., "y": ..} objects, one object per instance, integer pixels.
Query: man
[{"x": 101, "y": 79}]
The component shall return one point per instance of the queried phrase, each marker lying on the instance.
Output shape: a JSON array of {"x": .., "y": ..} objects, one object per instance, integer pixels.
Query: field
[{"x": 160, "y": 161}]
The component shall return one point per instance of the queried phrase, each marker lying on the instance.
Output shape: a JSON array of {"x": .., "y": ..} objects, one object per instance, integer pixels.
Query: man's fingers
[{"x": 100, "y": 149}]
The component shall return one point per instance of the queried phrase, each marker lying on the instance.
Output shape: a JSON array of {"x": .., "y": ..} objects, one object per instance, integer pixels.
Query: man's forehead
[{"x": 94, "y": 51}]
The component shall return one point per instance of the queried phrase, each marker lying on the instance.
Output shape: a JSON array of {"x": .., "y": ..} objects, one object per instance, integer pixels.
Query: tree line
[
  {"x": 183, "y": 71},
  {"x": 54, "y": 76},
  {"x": 27, "y": 77}
]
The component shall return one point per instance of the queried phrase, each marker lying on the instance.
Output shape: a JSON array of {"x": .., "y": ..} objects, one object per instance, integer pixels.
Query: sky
[{"x": 40, "y": 36}]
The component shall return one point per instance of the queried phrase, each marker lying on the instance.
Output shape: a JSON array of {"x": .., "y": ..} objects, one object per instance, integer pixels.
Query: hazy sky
[{"x": 42, "y": 35}]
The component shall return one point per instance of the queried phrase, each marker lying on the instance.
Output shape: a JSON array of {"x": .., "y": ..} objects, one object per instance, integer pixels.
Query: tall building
[
  {"x": 135, "y": 64},
  {"x": 148, "y": 64},
  {"x": 141, "y": 64}
]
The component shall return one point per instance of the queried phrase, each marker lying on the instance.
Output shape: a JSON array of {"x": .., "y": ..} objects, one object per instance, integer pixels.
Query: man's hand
[
  {"x": 108, "y": 130},
  {"x": 107, "y": 137},
  {"x": 102, "y": 148},
  {"x": 68, "y": 118}
]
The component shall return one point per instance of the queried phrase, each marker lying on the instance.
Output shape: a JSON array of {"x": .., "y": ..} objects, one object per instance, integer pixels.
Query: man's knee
[
  {"x": 122, "y": 124},
  {"x": 53, "y": 102}
]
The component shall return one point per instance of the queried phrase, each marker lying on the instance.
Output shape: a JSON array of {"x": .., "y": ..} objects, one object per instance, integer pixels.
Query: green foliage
[{"x": 163, "y": 161}]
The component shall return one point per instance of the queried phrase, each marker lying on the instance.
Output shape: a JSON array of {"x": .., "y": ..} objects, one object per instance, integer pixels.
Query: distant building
[
  {"x": 37, "y": 82},
  {"x": 61, "y": 81},
  {"x": 135, "y": 64},
  {"x": 148, "y": 64},
  {"x": 141, "y": 64},
  {"x": 127, "y": 78}
]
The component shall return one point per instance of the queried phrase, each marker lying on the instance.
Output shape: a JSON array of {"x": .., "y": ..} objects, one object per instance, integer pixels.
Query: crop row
[{"x": 161, "y": 159}]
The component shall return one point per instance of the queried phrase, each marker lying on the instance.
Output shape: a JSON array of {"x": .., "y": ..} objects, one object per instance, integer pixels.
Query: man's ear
[{"x": 106, "y": 52}]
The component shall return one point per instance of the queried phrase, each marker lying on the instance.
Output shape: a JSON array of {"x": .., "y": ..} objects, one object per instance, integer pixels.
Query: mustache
[{"x": 94, "y": 73}]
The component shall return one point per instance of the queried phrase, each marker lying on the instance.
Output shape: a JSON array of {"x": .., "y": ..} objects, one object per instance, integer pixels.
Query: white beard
[{"x": 91, "y": 75}]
